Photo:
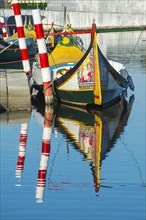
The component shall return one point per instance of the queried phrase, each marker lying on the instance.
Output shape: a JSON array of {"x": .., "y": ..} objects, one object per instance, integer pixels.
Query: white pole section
[{"x": 4, "y": 30}]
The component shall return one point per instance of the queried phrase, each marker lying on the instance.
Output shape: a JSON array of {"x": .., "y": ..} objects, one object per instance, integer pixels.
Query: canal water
[{"x": 61, "y": 163}]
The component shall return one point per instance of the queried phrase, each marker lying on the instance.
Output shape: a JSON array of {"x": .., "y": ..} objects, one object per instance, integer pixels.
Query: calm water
[{"x": 74, "y": 165}]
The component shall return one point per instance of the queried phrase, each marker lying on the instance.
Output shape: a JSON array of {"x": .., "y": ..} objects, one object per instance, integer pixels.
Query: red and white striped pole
[
  {"x": 4, "y": 30},
  {"x": 43, "y": 55},
  {"x": 47, "y": 131},
  {"x": 22, "y": 151},
  {"x": 21, "y": 37}
]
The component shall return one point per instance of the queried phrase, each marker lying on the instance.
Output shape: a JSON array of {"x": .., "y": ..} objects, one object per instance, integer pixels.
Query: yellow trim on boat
[
  {"x": 28, "y": 34},
  {"x": 97, "y": 84},
  {"x": 98, "y": 143},
  {"x": 73, "y": 120},
  {"x": 75, "y": 90}
]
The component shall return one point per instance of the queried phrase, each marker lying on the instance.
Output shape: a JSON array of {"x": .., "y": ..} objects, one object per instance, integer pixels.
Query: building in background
[{"x": 107, "y": 13}]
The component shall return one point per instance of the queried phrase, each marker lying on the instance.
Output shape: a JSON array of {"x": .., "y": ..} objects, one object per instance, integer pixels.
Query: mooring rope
[
  {"x": 131, "y": 154},
  {"x": 8, "y": 46},
  {"x": 53, "y": 160},
  {"x": 133, "y": 50},
  {"x": 15, "y": 61}
]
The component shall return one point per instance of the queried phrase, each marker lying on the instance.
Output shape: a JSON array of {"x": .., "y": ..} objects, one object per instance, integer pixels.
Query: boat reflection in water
[
  {"x": 95, "y": 132},
  {"x": 90, "y": 131}
]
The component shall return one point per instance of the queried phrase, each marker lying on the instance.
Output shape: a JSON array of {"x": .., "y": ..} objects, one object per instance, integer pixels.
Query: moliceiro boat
[{"x": 90, "y": 79}]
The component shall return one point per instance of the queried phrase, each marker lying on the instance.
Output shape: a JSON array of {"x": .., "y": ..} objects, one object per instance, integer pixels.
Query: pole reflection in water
[
  {"x": 47, "y": 130},
  {"x": 21, "y": 153}
]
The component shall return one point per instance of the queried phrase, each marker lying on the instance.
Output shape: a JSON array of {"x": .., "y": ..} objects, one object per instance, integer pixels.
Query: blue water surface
[{"x": 69, "y": 191}]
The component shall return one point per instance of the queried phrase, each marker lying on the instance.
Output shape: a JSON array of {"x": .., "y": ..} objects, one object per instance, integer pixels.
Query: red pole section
[
  {"x": 46, "y": 139},
  {"x": 70, "y": 33},
  {"x": 22, "y": 151},
  {"x": 21, "y": 37},
  {"x": 4, "y": 31},
  {"x": 43, "y": 55}
]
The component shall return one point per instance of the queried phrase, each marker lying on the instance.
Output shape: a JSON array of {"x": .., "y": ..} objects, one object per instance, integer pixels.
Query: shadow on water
[{"x": 89, "y": 131}]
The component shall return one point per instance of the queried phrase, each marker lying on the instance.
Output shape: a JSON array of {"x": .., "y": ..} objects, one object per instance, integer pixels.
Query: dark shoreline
[{"x": 106, "y": 29}]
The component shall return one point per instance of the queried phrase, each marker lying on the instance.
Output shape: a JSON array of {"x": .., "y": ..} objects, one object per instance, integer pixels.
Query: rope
[
  {"x": 8, "y": 46},
  {"x": 131, "y": 154},
  {"x": 53, "y": 61},
  {"x": 15, "y": 61},
  {"x": 133, "y": 50},
  {"x": 80, "y": 45},
  {"x": 53, "y": 160}
]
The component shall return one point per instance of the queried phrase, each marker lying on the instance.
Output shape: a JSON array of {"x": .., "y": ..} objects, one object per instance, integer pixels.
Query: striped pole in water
[
  {"x": 44, "y": 61},
  {"x": 4, "y": 30},
  {"x": 21, "y": 37},
  {"x": 47, "y": 131},
  {"x": 22, "y": 151}
]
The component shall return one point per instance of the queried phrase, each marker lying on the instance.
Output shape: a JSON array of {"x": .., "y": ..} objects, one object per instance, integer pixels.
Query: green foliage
[{"x": 33, "y": 5}]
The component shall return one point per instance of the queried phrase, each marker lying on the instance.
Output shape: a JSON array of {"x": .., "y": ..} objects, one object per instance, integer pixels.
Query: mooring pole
[
  {"x": 21, "y": 37},
  {"x": 43, "y": 55},
  {"x": 22, "y": 44}
]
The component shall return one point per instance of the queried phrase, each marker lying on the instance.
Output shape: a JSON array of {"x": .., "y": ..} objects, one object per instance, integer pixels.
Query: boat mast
[{"x": 64, "y": 18}]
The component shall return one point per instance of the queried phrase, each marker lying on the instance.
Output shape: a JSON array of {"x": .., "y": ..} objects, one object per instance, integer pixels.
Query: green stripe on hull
[
  {"x": 80, "y": 97},
  {"x": 87, "y": 97}
]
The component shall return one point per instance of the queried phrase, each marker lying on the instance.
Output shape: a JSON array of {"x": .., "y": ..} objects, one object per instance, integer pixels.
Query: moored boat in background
[
  {"x": 62, "y": 58},
  {"x": 10, "y": 51}
]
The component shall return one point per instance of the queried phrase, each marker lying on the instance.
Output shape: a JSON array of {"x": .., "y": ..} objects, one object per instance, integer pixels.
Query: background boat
[
  {"x": 9, "y": 48},
  {"x": 10, "y": 52}
]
